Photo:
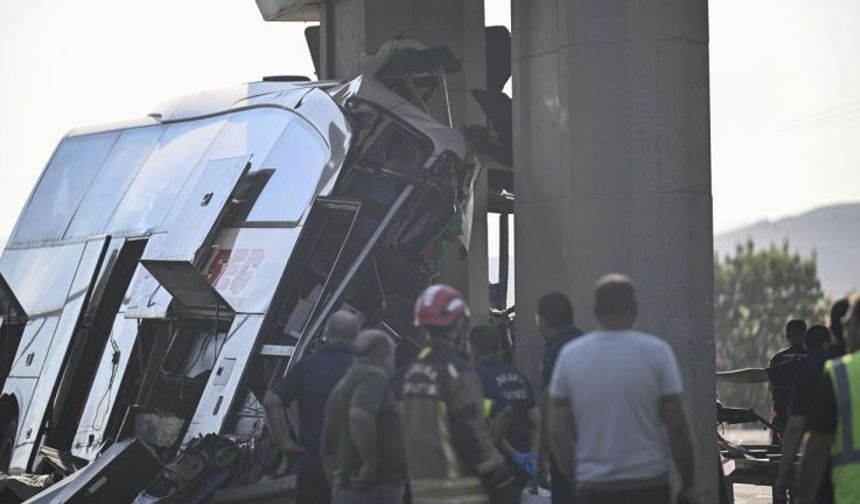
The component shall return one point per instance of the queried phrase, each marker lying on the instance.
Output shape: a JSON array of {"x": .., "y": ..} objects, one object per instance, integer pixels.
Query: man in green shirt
[{"x": 363, "y": 449}]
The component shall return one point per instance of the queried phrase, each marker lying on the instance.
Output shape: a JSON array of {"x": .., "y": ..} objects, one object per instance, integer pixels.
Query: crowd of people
[
  {"x": 460, "y": 424},
  {"x": 815, "y": 386}
]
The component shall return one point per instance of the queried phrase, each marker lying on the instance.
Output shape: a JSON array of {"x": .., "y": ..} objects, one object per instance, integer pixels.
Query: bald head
[
  {"x": 376, "y": 347},
  {"x": 615, "y": 305},
  {"x": 341, "y": 326}
]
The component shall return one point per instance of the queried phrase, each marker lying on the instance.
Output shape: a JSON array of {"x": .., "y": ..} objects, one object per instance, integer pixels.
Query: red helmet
[{"x": 440, "y": 305}]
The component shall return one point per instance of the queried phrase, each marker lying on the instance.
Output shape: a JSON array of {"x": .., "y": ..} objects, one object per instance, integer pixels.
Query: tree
[{"x": 755, "y": 293}]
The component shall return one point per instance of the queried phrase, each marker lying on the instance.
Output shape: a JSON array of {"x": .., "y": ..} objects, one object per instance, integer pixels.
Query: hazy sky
[{"x": 785, "y": 93}]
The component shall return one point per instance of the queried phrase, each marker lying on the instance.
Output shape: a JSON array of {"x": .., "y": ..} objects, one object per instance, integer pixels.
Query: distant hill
[{"x": 832, "y": 231}]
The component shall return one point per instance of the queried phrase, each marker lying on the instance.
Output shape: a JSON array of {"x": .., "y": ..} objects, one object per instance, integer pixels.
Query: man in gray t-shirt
[{"x": 615, "y": 392}]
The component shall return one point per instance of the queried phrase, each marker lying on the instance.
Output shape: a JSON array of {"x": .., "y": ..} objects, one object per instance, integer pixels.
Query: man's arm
[
  {"x": 276, "y": 419},
  {"x": 748, "y": 375},
  {"x": 561, "y": 434},
  {"x": 812, "y": 466},
  {"x": 362, "y": 430},
  {"x": 791, "y": 440},
  {"x": 672, "y": 414},
  {"x": 527, "y": 461}
]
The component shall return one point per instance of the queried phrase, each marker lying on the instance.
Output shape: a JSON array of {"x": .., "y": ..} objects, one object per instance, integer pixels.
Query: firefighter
[{"x": 450, "y": 453}]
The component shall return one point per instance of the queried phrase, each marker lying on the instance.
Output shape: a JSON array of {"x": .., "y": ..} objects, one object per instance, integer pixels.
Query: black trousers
[
  {"x": 652, "y": 495},
  {"x": 312, "y": 488},
  {"x": 561, "y": 491}
]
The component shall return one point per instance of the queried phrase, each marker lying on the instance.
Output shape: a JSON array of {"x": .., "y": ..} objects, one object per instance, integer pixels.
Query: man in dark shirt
[
  {"x": 795, "y": 329},
  {"x": 363, "y": 448},
  {"x": 809, "y": 371},
  {"x": 310, "y": 381},
  {"x": 780, "y": 374},
  {"x": 505, "y": 386},
  {"x": 555, "y": 324}
]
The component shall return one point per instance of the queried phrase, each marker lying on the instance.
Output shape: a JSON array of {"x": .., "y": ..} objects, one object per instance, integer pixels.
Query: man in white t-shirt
[{"x": 616, "y": 401}]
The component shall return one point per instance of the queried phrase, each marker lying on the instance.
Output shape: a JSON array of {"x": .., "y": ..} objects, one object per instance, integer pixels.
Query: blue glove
[{"x": 527, "y": 463}]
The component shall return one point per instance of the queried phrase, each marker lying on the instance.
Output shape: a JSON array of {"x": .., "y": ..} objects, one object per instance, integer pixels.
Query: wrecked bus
[{"x": 164, "y": 272}]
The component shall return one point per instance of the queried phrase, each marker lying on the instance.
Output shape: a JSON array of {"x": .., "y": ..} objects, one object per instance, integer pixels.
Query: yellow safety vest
[
  {"x": 845, "y": 454},
  {"x": 453, "y": 487}
]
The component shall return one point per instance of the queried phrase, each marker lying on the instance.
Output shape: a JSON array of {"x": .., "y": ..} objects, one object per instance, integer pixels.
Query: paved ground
[{"x": 750, "y": 494}]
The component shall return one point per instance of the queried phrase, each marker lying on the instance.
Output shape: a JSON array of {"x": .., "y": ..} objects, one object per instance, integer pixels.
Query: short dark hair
[
  {"x": 555, "y": 309},
  {"x": 837, "y": 311},
  {"x": 614, "y": 294},
  {"x": 484, "y": 339},
  {"x": 373, "y": 342},
  {"x": 795, "y": 329},
  {"x": 816, "y": 337}
]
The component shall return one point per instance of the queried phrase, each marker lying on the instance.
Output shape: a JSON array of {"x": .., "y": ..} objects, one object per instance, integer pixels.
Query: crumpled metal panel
[
  {"x": 223, "y": 383},
  {"x": 367, "y": 88}
]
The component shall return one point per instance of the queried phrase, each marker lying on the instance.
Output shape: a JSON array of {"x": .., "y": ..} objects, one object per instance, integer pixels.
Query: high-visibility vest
[{"x": 845, "y": 453}]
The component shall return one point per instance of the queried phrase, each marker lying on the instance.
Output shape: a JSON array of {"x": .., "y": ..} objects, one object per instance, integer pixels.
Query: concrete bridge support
[
  {"x": 612, "y": 174},
  {"x": 361, "y": 26}
]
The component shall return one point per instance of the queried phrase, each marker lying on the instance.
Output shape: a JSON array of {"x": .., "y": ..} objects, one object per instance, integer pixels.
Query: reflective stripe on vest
[{"x": 487, "y": 407}]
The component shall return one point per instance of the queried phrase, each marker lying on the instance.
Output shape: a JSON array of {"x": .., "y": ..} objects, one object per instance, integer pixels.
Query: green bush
[{"x": 755, "y": 293}]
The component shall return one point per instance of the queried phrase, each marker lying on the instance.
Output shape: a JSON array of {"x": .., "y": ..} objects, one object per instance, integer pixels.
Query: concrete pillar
[
  {"x": 612, "y": 174},
  {"x": 361, "y": 26}
]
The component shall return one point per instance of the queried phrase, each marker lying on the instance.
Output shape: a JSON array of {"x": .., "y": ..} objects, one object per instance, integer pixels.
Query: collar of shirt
[
  {"x": 490, "y": 360},
  {"x": 441, "y": 344},
  {"x": 563, "y": 336},
  {"x": 443, "y": 347},
  {"x": 795, "y": 349}
]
